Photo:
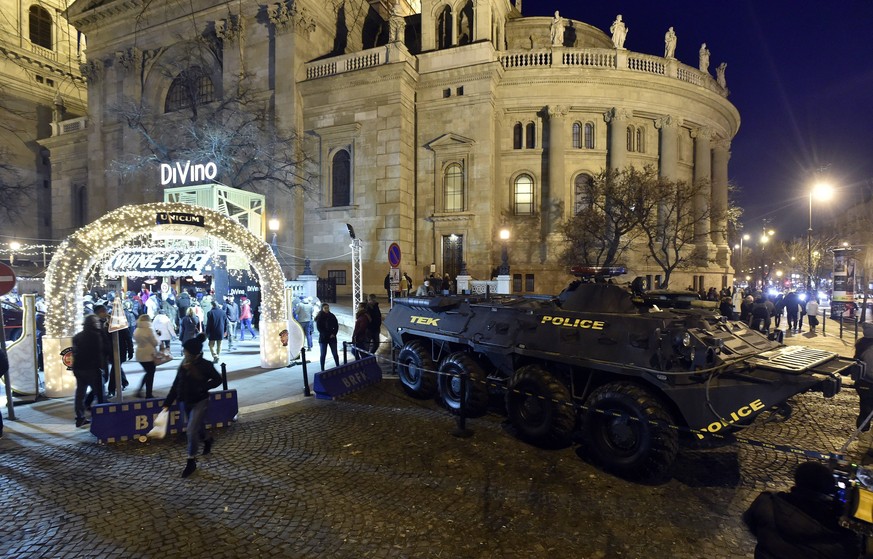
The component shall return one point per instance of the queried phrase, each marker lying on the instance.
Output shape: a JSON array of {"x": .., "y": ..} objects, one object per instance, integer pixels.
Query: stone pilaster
[
  {"x": 481, "y": 20},
  {"x": 557, "y": 151},
  {"x": 703, "y": 183},
  {"x": 617, "y": 119},
  {"x": 231, "y": 33},
  {"x": 720, "y": 156},
  {"x": 668, "y": 148}
]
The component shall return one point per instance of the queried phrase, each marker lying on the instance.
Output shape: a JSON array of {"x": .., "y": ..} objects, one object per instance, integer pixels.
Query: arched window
[
  {"x": 531, "y": 136},
  {"x": 523, "y": 195},
  {"x": 465, "y": 24},
  {"x": 444, "y": 28},
  {"x": 589, "y": 135},
  {"x": 630, "y": 138},
  {"x": 341, "y": 179},
  {"x": 40, "y": 27},
  {"x": 581, "y": 188},
  {"x": 577, "y": 135},
  {"x": 639, "y": 143},
  {"x": 517, "y": 134},
  {"x": 453, "y": 188},
  {"x": 191, "y": 88}
]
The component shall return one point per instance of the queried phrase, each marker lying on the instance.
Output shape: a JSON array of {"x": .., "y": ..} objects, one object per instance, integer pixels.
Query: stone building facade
[
  {"x": 431, "y": 124},
  {"x": 40, "y": 85}
]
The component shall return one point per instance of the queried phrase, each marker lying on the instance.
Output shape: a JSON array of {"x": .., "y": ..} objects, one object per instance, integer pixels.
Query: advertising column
[{"x": 843, "y": 298}]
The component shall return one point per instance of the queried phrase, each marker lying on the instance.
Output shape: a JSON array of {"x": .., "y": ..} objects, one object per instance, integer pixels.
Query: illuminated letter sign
[
  {"x": 161, "y": 262},
  {"x": 182, "y": 173}
]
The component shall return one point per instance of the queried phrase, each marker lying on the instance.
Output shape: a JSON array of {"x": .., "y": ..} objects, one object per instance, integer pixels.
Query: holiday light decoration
[{"x": 75, "y": 257}]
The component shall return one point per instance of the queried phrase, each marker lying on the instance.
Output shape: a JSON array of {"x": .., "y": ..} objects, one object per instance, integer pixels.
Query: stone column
[
  {"x": 481, "y": 20},
  {"x": 668, "y": 160},
  {"x": 720, "y": 156},
  {"x": 231, "y": 32},
  {"x": 94, "y": 72},
  {"x": 617, "y": 119},
  {"x": 702, "y": 180},
  {"x": 556, "y": 186},
  {"x": 128, "y": 64}
]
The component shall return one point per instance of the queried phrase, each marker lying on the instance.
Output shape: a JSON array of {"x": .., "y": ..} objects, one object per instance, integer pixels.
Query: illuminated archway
[{"x": 66, "y": 275}]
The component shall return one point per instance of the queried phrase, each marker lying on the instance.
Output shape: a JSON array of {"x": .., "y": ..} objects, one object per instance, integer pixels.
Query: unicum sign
[{"x": 184, "y": 173}]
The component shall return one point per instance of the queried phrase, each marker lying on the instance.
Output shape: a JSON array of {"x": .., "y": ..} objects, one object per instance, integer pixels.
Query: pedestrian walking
[
  {"x": 101, "y": 313},
  {"x": 4, "y": 368},
  {"x": 328, "y": 327},
  {"x": 304, "y": 318},
  {"x": 231, "y": 312},
  {"x": 361, "y": 334},
  {"x": 216, "y": 324},
  {"x": 374, "y": 329},
  {"x": 189, "y": 327},
  {"x": 164, "y": 329},
  {"x": 183, "y": 302},
  {"x": 194, "y": 379},
  {"x": 146, "y": 346},
  {"x": 88, "y": 359},
  {"x": 812, "y": 311},
  {"x": 245, "y": 319}
]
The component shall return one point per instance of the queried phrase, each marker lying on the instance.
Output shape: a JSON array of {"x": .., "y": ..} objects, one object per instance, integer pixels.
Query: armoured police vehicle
[{"x": 626, "y": 369}]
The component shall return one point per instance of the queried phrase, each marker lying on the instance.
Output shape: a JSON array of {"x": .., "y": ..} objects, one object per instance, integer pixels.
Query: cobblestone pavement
[{"x": 379, "y": 475}]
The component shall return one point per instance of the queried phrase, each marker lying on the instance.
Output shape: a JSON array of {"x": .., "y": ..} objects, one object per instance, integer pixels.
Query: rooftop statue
[
  {"x": 619, "y": 32},
  {"x": 719, "y": 72},
  {"x": 670, "y": 44},
  {"x": 557, "y": 30},
  {"x": 704, "y": 58}
]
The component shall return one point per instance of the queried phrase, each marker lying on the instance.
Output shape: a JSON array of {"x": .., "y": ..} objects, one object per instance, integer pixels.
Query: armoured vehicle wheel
[
  {"x": 540, "y": 406},
  {"x": 414, "y": 362},
  {"x": 449, "y": 384},
  {"x": 635, "y": 448}
]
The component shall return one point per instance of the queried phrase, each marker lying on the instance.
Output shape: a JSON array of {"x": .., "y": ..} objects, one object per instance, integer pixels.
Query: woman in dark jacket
[
  {"x": 189, "y": 326},
  {"x": 194, "y": 379},
  {"x": 361, "y": 334}
]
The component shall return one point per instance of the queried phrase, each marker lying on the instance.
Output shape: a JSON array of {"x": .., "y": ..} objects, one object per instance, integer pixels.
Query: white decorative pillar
[
  {"x": 720, "y": 156},
  {"x": 617, "y": 119},
  {"x": 668, "y": 156},
  {"x": 703, "y": 183}
]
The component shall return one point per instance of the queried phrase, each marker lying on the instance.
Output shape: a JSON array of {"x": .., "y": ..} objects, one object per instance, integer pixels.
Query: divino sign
[{"x": 183, "y": 173}]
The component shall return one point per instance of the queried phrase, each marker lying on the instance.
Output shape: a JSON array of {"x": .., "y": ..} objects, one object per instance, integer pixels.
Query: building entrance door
[{"x": 453, "y": 254}]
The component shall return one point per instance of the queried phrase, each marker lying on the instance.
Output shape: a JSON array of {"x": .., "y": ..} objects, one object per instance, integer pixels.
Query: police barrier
[
  {"x": 114, "y": 422},
  {"x": 700, "y": 434},
  {"x": 346, "y": 378}
]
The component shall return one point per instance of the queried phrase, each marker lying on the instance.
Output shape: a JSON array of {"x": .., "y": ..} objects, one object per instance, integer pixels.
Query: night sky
[{"x": 799, "y": 72}]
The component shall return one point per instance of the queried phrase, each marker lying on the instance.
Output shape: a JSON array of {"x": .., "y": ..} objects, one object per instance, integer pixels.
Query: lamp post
[
  {"x": 273, "y": 224},
  {"x": 765, "y": 236},
  {"x": 821, "y": 191},
  {"x": 503, "y": 270},
  {"x": 745, "y": 237}
]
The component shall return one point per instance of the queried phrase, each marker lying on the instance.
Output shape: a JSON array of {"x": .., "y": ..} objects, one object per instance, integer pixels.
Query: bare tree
[
  {"x": 234, "y": 129},
  {"x": 612, "y": 207},
  {"x": 670, "y": 230}
]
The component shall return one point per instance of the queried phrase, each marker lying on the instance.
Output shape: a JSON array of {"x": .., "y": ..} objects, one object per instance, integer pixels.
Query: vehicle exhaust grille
[{"x": 794, "y": 358}]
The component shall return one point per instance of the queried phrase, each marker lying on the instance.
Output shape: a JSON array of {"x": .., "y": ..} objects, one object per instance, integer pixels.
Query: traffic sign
[
  {"x": 394, "y": 255},
  {"x": 7, "y": 277}
]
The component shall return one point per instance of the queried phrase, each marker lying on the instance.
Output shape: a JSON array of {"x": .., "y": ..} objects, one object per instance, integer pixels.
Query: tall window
[
  {"x": 524, "y": 195},
  {"x": 517, "y": 136},
  {"x": 40, "y": 27},
  {"x": 577, "y": 135},
  {"x": 580, "y": 193},
  {"x": 639, "y": 143},
  {"x": 453, "y": 188},
  {"x": 589, "y": 135},
  {"x": 630, "y": 138},
  {"x": 444, "y": 28},
  {"x": 341, "y": 179},
  {"x": 465, "y": 24},
  {"x": 191, "y": 88},
  {"x": 531, "y": 136}
]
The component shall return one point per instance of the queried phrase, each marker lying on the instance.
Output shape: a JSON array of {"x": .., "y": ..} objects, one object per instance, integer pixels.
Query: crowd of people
[
  {"x": 154, "y": 320},
  {"x": 763, "y": 312}
]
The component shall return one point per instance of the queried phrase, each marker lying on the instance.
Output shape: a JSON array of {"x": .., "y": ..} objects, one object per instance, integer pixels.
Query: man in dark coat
[
  {"x": 216, "y": 325},
  {"x": 102, "y": 313},
  {"x": 375, "y": 326},
  {"x": 183, "y": 301},
  {"x": 328, "y": 327},
  {"x": 803, "y": 522},
  {"x": 88, "y": 358}
]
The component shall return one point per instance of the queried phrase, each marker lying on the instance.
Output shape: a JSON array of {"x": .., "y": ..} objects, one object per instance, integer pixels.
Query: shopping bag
[
  {"x": 161, "y": 357},
  {"x": 159, "y": 428}
]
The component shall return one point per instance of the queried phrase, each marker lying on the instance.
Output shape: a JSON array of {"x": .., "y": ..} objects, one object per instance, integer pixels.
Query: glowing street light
[
  {"x": 504, "y": 252},
  {"x": 820, "y": 191}
]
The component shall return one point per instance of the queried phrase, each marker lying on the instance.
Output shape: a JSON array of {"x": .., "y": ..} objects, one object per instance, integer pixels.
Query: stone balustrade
[
  {"x": 541, "y": 58},
  {"x": 69, "y": 126}
]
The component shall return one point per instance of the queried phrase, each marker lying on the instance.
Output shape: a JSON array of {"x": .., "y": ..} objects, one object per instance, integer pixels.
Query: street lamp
[
  {"x": 503, "y": 270},
  {"x": 821, "y": 191},
  {"x": 273, "y": 224},
  {"x": 765, "y": 236},
  {"x": 745, "y": 237}
]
